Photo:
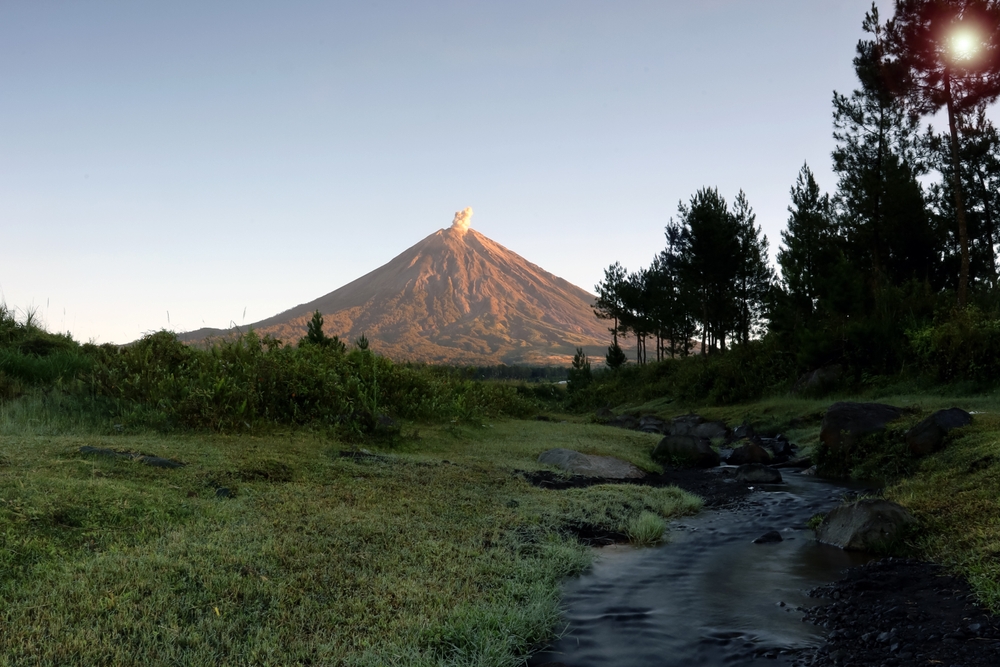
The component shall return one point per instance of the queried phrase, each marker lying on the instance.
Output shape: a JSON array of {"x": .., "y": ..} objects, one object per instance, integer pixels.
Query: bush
[{"x": 965, "y": 345}]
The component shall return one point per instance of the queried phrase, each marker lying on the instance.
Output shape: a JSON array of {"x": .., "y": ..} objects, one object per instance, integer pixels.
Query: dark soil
[
  {"x": 716, "y": 490},
  {"x": 902, "y": 612}
]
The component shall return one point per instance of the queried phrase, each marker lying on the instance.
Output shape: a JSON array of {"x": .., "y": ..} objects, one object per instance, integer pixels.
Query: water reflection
[{"x": 711, "y": 596}]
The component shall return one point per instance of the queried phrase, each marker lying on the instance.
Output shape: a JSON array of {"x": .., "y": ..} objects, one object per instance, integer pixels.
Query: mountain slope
[{"x": 454, "y": 297}]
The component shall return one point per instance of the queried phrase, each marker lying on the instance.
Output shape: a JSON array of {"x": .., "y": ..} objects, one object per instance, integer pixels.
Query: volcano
[{"x": 456, "y": 297}]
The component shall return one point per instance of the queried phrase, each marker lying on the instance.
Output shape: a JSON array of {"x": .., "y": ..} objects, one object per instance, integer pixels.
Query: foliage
[
  {"x": 579, "y": 375},
  {"x": 615, "y": 358},
  {"x": 965, "y": 345}
]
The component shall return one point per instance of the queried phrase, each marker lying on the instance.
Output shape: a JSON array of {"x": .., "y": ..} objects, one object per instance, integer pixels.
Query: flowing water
[{"x": 709, "y": 596}]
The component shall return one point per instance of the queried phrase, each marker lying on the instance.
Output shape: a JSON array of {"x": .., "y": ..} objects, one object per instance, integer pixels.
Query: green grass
[{"x": 436, "y": 554}]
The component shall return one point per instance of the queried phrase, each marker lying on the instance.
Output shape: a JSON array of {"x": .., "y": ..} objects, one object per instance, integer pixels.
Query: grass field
[{"x": 435, "y": 553}]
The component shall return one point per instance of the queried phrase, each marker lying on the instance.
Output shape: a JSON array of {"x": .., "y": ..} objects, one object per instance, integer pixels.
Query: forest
[{"x": 895, "y": 271}]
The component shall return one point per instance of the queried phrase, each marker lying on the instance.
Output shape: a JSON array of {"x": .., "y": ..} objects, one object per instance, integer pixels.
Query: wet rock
[
  {"x": 864, "y": 524},
  {"x": 845, "y": 422},
  {"x": 927, "y": 437},
  {"x": 818, "y": 381},
  {"x": 685, "y": 424},
  {"x": 589, "y": 464},
  {"x": 686, "y": 450},
  {"x": 711, "y": 430},
  {"x": 769, "y": 538},
  {"x": 757, "y": 473},
  {"x": 748, "y": 452}
]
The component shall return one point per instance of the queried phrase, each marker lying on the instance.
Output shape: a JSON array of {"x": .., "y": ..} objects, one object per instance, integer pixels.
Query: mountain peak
[{"x": 454, "y": 297}]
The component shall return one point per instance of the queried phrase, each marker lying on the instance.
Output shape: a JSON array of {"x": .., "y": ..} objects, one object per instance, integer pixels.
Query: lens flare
[{"x": 964, "y": 45}]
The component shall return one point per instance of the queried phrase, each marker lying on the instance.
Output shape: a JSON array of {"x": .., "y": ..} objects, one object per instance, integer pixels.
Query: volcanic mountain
[{"x": 455, "y": 297}]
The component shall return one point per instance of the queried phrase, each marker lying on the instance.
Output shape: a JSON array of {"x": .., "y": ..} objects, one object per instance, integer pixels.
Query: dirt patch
[
  {"x": 899, "y": 612},
  {"x": 155, "y": 461},
  {"x": 716, "y": 490}
]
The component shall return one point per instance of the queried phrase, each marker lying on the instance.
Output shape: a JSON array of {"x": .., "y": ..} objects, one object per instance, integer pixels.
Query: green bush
[{"x": 965, "y": 345}]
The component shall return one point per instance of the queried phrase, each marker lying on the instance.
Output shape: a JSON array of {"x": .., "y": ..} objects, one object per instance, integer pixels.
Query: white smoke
[{"x": 462, "y": 221}]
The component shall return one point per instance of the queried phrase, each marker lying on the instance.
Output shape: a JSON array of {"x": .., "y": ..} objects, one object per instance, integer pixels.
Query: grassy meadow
[{"x": 433, "y": 553}]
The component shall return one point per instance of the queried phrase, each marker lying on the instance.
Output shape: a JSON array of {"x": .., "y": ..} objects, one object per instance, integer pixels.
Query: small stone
[
  {"x": 224, "y": 492},
  {"x": 768, "y": 538}
]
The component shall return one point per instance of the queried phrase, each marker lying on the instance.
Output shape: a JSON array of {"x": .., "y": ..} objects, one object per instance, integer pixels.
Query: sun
[{"x": 964, "y": 45}]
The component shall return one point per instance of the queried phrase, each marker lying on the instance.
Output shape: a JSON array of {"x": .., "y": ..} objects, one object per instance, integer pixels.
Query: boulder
[
  {"x": 604, "y": 413},
  {"x": 685, "y": 424},
  {"x": 652, "y": 424},
  {"x": 711, "y": 430},
  {"x": 687, "y": 449},
  {"x": 927, "y": 437},
  {"x": 624, "y": 421},
  {"x": 819, "y": 380},
  {"x": 864, "y": 524},
  {"x": 757, "y": 473},
  {"x": 744, "y": 430},
  {"x": 590, "y": 464},
  {"x": 845, "y": 422},
  {"x": 748, "y": 452}
]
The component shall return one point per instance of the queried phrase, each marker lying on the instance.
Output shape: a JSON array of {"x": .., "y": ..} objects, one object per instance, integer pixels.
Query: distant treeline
[{"x": 895, "y": 269}]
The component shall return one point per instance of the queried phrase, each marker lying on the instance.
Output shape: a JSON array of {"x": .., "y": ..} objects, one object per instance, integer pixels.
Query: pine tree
[
  {"x": 754, "y": 279},
  {"x": 579, "y": 375},
  {"x": 810, "y": 244},
  {"x": 882, "y": 210},
  {"x": 610, "y": 303},
  {"x": 939, "y": 75}
]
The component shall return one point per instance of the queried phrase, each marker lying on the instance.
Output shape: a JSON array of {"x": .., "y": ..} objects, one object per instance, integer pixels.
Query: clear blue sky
[{"x": 206, "y": 158}]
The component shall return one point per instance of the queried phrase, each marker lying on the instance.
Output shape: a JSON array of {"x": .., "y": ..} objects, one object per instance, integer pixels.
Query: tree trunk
[{"x": 963, "y": 234}]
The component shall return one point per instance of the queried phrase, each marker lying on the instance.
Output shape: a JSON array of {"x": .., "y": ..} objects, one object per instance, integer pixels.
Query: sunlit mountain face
[{"x": 455, "y": 297}]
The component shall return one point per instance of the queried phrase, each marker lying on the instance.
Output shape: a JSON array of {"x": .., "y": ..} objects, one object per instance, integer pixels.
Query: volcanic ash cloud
[{"x": 462, "y": 221}]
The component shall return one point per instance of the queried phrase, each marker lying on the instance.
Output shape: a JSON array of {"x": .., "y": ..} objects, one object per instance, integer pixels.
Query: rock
[
  {"x": 605, "y": 413},
  {"x": 748, "y": 452},
  {"x": 781, "y": 448},
  {"x": 590, "y": 465},
  {"x": 711, "y": 430},
  {"x": 863, "y": 524},
  {"x": 652, "y": 424},
  {"x": 685, "y": 425},
  {"x": 687, "y": 449},
  {"x": 927, "y": 437},
  {"x": 224, "y": 492},
  {"x": 769, "y": 538},
  {"x": 819, "y": 380},
  {"x": 757, "y": 473},
  {"x": 845, "y": 422},
  {"x": 624, "y": 421},
  {"x": 743, "y": 431}
]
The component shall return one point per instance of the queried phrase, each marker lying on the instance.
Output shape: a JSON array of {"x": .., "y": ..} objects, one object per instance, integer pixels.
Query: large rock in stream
[
  {"x": 686, "y": 450},
  {"x": 590, "y": 465},
  {"x": 864, "y": 525}
]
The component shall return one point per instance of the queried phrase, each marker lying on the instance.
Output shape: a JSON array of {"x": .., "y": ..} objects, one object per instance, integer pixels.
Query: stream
[{"x": 709, "y": 595}]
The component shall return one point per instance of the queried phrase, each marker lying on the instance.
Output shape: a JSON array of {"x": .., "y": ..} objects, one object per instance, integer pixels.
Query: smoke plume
[{"x": 462, "y": 221}]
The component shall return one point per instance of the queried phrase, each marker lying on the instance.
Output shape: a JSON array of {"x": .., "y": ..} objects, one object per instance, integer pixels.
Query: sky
[{"x": 207, "y": 163}]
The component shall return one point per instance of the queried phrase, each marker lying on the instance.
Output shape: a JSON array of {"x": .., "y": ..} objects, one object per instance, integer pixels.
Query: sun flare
[{"x": 964, "y": 45}]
